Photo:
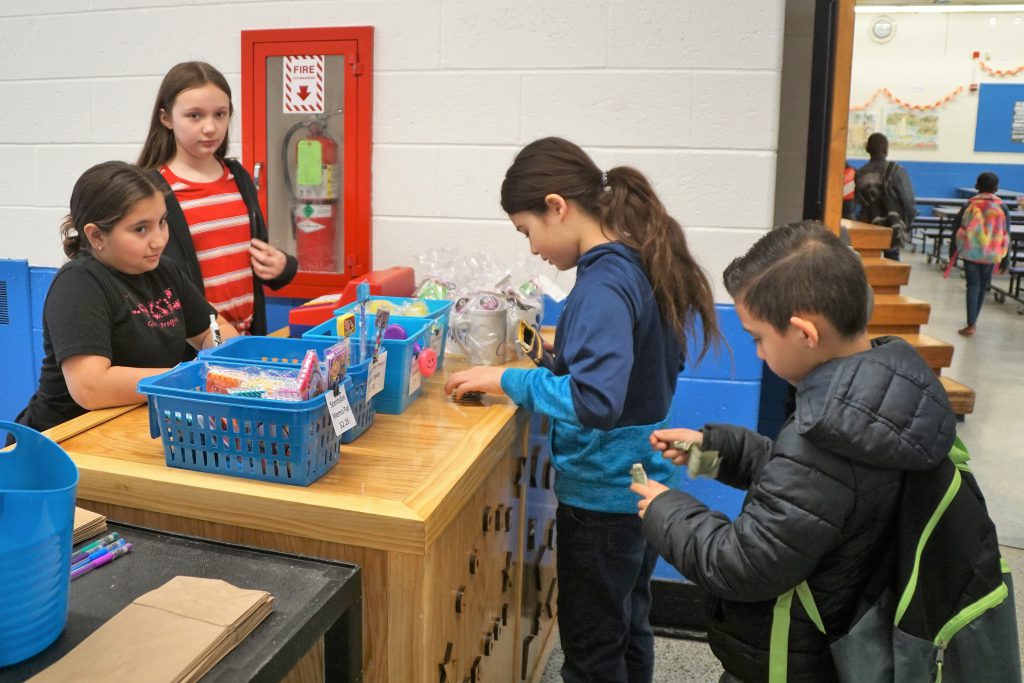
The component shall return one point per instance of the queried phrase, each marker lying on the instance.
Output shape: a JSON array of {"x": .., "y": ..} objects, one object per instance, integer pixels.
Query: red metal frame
[{"x": 356, "y": 43}]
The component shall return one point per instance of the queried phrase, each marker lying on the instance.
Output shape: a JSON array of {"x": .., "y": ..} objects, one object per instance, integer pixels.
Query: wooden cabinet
[
  {"x": 447, "y": 508},
  {"x": 539, "y": 584}
]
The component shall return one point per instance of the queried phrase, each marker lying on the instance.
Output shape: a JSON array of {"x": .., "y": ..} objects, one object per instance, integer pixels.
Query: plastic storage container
[
  {"x": 403, "y": 382},
  {"x": 284, "y": 352},
  {"x": 37, "y": 515},
  {"x": 439, "y": 312},
  {"x": 256, "y": 438}
]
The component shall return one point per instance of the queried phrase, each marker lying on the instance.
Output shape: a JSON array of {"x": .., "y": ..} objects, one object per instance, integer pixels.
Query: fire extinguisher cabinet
[{"x": 306, "y": 115}]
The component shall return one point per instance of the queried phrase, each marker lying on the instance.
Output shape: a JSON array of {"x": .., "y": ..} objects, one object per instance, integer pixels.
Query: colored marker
[
  {"x": 215, "y": 330},
  {"x": 363, "y": 296},
  {"x": 106, "y": 540},
  {"x": 98, "y": 552},
  {"x": 99, "y": 562}
]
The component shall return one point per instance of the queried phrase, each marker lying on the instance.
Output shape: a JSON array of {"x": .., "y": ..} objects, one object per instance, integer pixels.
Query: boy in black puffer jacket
[{"x": 821, "y": 498}]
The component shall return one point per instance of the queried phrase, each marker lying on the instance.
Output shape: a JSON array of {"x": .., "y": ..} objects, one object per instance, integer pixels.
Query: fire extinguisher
[{"x": 315, "y": 191}]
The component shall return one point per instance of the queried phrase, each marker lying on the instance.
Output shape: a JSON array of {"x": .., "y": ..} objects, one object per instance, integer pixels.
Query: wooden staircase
[{"x": 901, "y": 315}]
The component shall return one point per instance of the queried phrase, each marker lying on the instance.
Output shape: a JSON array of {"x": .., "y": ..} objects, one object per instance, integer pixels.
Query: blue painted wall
[
  {"x": 940, "y": 179},
  {"x": 723, "y": 387},
  {"x": 20, "y": 372}
]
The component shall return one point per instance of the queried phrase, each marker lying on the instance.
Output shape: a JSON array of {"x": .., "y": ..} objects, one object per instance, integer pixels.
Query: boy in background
[{"x": 820, "y": 498}]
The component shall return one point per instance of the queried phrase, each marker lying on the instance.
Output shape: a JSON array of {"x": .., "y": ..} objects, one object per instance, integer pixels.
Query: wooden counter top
[{"x": 395, "y": 488}]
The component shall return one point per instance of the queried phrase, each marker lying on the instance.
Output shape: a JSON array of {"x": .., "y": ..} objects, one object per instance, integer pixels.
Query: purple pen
[
  {"x": 97, "y": 553},
  {"x": 85, "y": 550},
  {"x": 102, "y": 560}
]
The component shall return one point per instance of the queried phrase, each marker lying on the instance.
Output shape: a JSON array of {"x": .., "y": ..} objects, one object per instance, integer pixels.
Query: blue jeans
[
  {"x": 604, "y": 596},
  {"x": 979, "y": 277}
]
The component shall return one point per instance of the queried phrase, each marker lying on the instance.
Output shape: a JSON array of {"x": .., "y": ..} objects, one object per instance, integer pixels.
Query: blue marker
[
  {"x": 363, "y": 296},
  {"x": 98, "y": 553},
  {"x": 85, "y": 550}
]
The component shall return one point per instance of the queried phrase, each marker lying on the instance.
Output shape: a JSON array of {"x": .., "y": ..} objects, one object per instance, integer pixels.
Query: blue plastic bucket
[{"x": 37, "y": 515}]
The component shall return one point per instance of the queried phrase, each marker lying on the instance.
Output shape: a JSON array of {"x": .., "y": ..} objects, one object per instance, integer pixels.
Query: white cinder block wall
[{"x": 685, "y": 90}]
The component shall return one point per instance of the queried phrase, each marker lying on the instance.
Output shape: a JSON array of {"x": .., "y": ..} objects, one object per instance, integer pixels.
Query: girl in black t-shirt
[{"x": 115, "y": 313}]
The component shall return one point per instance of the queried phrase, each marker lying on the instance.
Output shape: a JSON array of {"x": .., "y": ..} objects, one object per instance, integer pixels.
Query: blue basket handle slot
[
  {"x": 154, "y": 424},
  {"x": 43, "y": 454}
]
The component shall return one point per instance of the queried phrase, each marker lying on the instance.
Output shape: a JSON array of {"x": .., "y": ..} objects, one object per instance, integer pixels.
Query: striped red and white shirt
[{"x": 219, "y": 222}]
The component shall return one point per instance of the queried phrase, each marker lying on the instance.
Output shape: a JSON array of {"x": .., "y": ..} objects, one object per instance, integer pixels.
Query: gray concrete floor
[{"x": 992, "y": 363}]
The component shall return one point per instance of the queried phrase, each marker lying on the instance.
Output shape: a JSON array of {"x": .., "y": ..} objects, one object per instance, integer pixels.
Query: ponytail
[
  {"x": 628, "y": 210},
  {"x": 71, "y": 239}
]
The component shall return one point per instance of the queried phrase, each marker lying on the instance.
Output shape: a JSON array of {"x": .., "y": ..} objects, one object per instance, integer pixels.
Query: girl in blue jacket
[{"x": 619, "y": 348}]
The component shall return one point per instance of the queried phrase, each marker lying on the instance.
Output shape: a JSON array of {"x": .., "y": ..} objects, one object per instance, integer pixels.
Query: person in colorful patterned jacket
[
  {"x": 217, "y": 232},
  {"x": 982, "y": 241}
]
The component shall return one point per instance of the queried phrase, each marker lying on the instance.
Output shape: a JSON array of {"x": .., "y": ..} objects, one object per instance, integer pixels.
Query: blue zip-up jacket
[{"x": 615, "y": 371}]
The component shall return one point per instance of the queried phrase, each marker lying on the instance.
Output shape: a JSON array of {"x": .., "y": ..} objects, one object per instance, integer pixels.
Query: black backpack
[
  {"x": 940, "y": 608},
  {"x": 881, "y": 203}
]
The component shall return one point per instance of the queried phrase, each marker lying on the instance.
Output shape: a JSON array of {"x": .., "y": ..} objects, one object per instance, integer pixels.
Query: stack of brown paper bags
[
  {"x": 177, "y": 632},
  {"x": 87, "y": 525}
]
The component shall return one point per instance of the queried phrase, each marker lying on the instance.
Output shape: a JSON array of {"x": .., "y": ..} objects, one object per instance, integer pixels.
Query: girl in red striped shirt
[{"x": 217, "y": 232}]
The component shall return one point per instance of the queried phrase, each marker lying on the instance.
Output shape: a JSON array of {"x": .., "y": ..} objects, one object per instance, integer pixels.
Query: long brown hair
[
  {"x": 160, "y": 147},
  {"x": 103, "y": 195},
  {"x": 624, "y": 203}
]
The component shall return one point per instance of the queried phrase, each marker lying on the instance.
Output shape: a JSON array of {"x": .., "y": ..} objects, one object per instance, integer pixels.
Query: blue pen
[
  {"x": 98, "y": 552},
  {"x": 106, "y": 540},
  {"x": 363, "y": 296},
  {"x": 107, "y": 557}
]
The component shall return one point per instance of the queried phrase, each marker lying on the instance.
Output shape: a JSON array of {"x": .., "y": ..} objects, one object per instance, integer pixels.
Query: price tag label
[
  {"x": 415, "y": 377},
  {"x": 340, "y": 410},
  {"x": 375, "y": 382}
]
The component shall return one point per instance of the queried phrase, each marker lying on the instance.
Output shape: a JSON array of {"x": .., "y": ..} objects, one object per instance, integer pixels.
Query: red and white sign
[{"x": 304, "y": 84}]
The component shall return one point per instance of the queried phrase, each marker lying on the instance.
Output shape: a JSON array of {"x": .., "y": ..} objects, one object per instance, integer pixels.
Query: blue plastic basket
[
  {"x": 403, "y": 382},
  {"x": 440, "y": 312},
  {"x": 37, "y": 515},
  {"x": 285, "y": 352},
  {"x": 256, "y": 438}
]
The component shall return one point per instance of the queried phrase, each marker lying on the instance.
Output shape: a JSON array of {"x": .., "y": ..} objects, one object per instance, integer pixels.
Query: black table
[
  {"x": 312, "y": 599},
  {"x": 1002, "y": 194},
  {"x": 937, "y": 201}
]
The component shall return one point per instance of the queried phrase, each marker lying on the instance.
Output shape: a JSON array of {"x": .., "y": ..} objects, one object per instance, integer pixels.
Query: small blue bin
[
  {"x": 403, "y": 382},
  {"x": 241, "y": 436},
  {"x": 285, "y": 352},
  {"x": 37, "y": 516},
  {"x": 440, "y": 311}
]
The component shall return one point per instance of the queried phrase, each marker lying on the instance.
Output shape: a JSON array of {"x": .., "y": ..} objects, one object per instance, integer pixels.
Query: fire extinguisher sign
[{"x": 304, "y": 84}]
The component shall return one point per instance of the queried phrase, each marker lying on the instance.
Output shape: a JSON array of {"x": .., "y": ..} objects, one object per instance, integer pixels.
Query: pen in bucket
[{"x": 363, "y": 295}]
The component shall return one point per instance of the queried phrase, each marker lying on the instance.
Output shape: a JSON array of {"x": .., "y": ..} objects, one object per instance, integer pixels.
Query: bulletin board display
[{"x": 1000, "y": 125}]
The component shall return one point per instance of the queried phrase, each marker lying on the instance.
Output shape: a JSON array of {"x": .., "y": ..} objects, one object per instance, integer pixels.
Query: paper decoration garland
[
  {"x": 906, "y": 105},
  {"x": 999, "y": 72}
]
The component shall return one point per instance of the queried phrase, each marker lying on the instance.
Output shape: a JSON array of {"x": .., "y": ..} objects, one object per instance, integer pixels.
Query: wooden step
[
  {"x": 961, "y": 397},
  {"x": 896, "y": 313},
  {"x": 869, "y": 240},
  {"x": 935, "y": 352},
  {"x": 885, "y": 275}
]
